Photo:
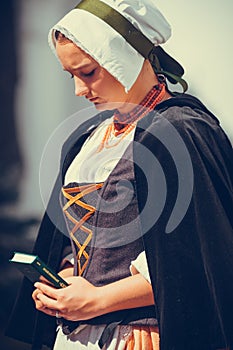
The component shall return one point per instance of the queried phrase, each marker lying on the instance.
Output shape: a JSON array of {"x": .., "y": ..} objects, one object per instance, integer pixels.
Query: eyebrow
[{"x": 80, "y": 67}]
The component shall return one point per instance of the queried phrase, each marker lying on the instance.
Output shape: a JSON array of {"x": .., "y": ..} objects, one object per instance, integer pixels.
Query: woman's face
[{"x": 91, "y": 80}]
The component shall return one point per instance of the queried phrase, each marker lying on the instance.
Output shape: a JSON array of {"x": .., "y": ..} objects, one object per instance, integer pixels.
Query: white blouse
[{"x": 91, "y": 166}]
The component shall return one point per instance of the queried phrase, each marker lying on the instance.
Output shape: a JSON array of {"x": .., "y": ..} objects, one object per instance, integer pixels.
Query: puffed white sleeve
[{"x": 139, "y": 265}]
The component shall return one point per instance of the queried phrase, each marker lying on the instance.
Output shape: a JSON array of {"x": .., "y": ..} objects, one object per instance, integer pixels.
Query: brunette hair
[{"x": 61, "y": 37}]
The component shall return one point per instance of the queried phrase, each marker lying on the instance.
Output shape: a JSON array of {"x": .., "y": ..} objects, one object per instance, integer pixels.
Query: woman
[{"x": 146, "y": 197}]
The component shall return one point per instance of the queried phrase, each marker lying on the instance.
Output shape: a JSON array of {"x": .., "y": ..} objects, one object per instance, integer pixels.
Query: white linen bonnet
[{"x": 91, "y": 27}]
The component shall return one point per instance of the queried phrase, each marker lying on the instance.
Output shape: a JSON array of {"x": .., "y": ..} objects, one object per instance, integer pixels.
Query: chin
[{"x": 106, "y": 106}]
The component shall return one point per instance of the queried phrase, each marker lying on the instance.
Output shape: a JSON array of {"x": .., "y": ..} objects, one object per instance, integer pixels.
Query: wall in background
[{"x": 201, "y": 41}]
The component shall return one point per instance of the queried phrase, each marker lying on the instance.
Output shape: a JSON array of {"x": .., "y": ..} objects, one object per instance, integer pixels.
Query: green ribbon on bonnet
[{"x": 161, "y": 62}]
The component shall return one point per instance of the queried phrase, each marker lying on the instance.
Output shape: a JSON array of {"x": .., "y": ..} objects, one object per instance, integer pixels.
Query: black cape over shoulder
[{"x": 187, "y": 225}]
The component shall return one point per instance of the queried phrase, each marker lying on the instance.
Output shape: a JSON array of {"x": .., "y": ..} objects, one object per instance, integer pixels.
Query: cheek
[
  {"x": 115, "y": 89},
  {"x": 104, "y": 88},
  {"x": 109, "y": 88}
]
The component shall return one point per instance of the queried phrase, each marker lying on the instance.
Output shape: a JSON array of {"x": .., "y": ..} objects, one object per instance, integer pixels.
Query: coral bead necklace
[{"x": 123, "y": 124}]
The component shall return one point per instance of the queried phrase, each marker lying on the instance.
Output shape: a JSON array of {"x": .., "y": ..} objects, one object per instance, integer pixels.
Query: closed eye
[
  {"x": 84, "y": 75},
  {"x": 89, "y": 74}
]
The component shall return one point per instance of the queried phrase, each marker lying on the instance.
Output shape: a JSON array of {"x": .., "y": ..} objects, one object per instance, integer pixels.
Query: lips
[{"x": 93, "y": 99}]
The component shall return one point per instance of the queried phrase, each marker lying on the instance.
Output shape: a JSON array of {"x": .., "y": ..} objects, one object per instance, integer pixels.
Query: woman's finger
[
  {"x": 47, "y": 301},
  {"x": 52, "y": 312},
  {"x": 39, "y": 305},
  {"x": 46, "y": 289}
]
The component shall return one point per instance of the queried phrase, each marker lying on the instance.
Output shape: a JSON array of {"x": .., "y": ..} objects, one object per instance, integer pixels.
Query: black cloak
[{"x": 187, "y": 233}]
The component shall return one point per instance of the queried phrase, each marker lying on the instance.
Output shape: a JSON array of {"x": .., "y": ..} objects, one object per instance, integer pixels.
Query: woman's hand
[
  {"x": 67, "y": 272},
  {"x": 75, "y": 302},
  {"x": 81, "y": 300}
]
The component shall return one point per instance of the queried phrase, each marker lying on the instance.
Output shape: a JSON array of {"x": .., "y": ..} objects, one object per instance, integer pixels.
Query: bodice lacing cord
[{"x": 78, "y": 224}]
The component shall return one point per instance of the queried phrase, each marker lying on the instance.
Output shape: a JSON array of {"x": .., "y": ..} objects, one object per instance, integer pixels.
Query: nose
[{"x": 81, "y": 89}]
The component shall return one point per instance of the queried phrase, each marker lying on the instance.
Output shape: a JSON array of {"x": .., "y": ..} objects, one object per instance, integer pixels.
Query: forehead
[{"x": 71, "y": 56}]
